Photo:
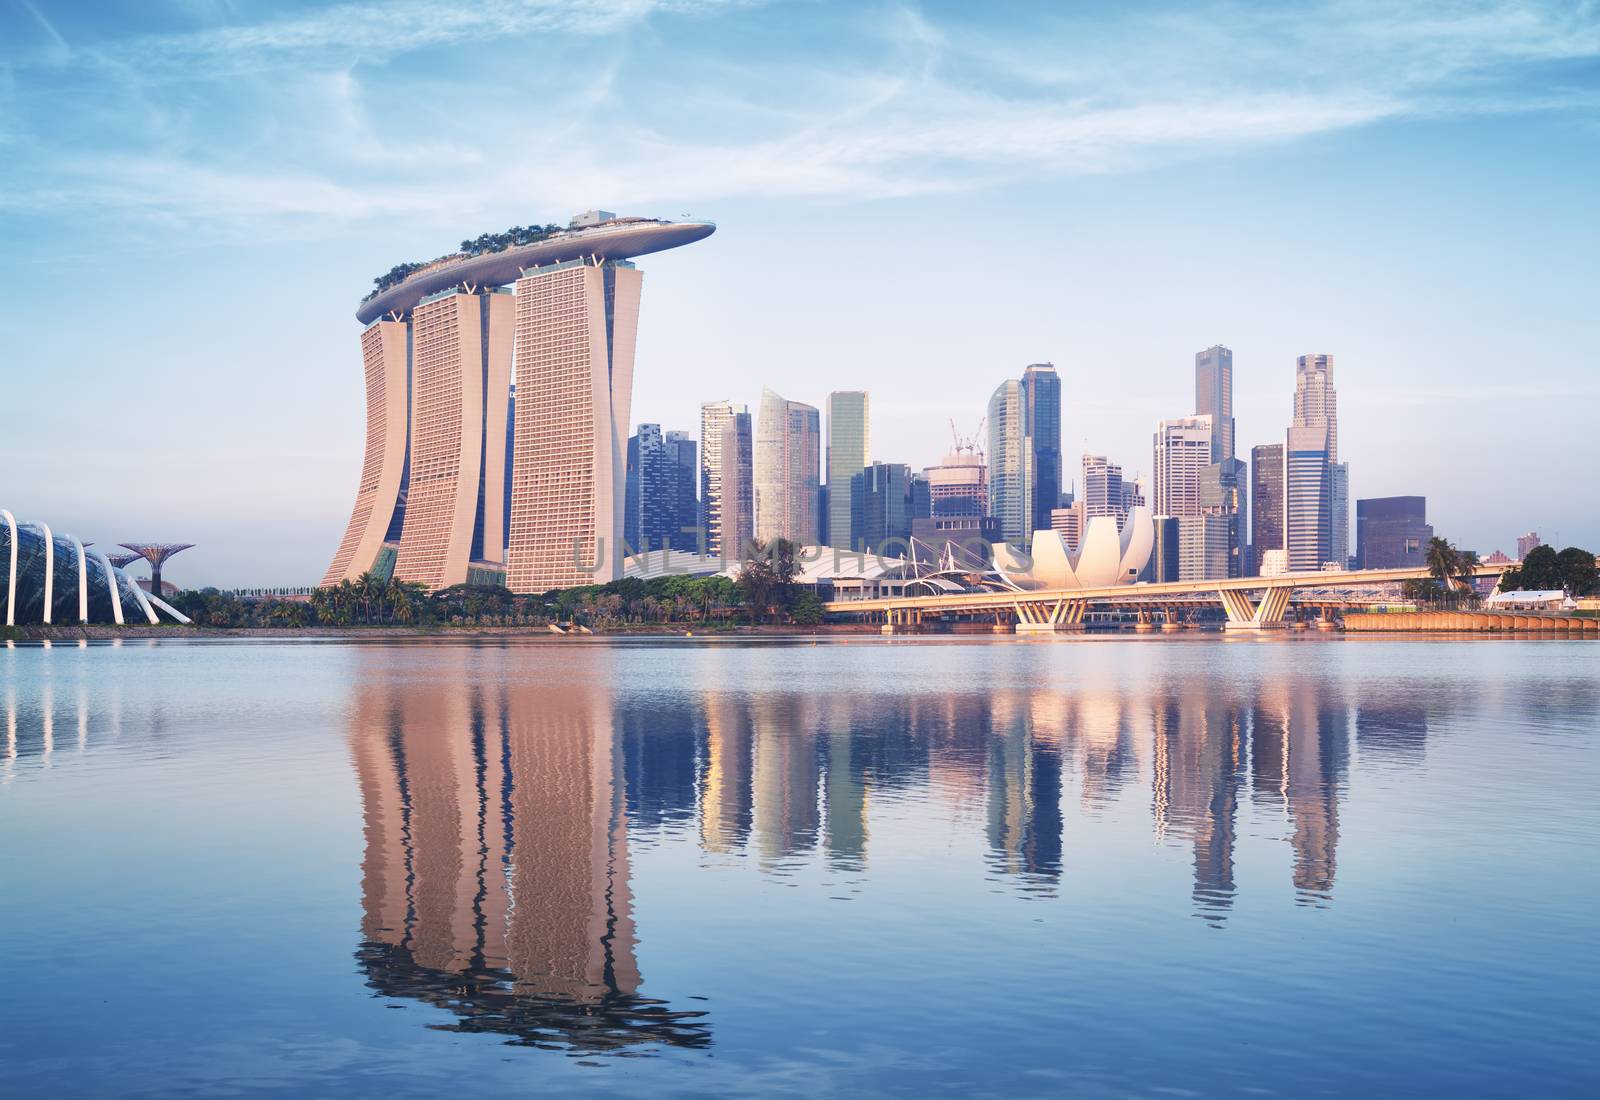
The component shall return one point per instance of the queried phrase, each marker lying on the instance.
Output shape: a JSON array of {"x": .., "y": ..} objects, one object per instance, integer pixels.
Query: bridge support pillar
[{"x": 1244, "y": 616}]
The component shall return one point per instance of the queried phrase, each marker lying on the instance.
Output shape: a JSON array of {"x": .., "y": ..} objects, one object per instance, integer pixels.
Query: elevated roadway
[{"x": 1248, "y": 602}]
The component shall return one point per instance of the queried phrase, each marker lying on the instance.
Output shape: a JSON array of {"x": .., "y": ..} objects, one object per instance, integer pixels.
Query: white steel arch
[
  {"x": 11, "y": 582},
  {"x": 49, "y": 571},
  {"x": 144, "y": 602},
  {"x": 111, "y": 583},
  {"x": 83, "y": 581}
]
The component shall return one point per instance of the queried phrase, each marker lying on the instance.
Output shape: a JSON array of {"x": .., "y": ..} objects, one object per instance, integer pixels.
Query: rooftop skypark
[{"x": 496, "y": 259}]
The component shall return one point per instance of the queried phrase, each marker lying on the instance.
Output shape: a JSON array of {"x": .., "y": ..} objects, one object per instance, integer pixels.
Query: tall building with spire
[
  {"x": 1316, "y": 405},
  {"x": 438, "y": 502},
  {"x": 788, "y": 455}
]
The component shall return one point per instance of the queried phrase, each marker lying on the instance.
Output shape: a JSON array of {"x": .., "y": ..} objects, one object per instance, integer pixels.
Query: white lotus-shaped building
[{"x": 1105, "y": 557}]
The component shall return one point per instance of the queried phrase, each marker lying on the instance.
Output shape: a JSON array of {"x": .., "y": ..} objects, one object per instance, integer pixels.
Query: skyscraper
[
  {"x": 1225, "y": 492},
  {"x": 439, "y": 500},
  {"x": 661, "y": 501},
  {"x": 881, "y": 508},
  {"x": 1213, "y": 397},
  {"x": 576, "y": 322},
  {"x": 1011, "y": 463},
  {"x": 1339, "y": 513},
  {"x": 1041, "y": 388},
  {"x": 683, "y": 481},
  {"x": 1102, "y": 487},
  {"x": 787, "y": 470},
  {"x": 1267, "y": 500},
  {"x": 1526, "y": 544},
  {"x": 1392, "y": 532},
  {"x": 849, "y": 451},
  {"x": 1308, "y": 492},
  {"x": 1316, "y": 404},
  {"x": 959, "y": 486},
  {"x": 644, "y": 522},
  {"x": 1182, "y": 450},
  {"x": 727, "y": 490}
]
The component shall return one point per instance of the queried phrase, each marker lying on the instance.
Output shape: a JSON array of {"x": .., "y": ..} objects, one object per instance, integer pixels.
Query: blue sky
[{"x": 917, "y": 200}]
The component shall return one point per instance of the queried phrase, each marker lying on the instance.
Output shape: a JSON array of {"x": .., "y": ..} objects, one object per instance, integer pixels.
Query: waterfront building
[
  {"x": 1224, "y": 491},
  {"x": 1163, "y": 563},
  {"x": 1207, "y": 546},
  {"x": 727, "y": 485},
  {"x": 643, "y": 523},
  {"x": 1182, "y": 453},
  {"x": 849, "y": 452},
  {"x": 1213, "y": 397},
  {"x": 882, "y": 507},
  {"x": 1069, "y": 522},
  {"x": 661, "y": 506},
  {"x": 959, "y": 485},
  {"x": 1182, "y": 450},
  {"x": 437, "y": 502},
  {"x": 1316, "y": 402},
  {"x": 1308, "y": 490},
  {"x": 683, "y": 479},
  {"x": 576, "y": 322},
  {"x": 1392, "y": 532},
  {"x": 1266, "y": 495},
  {"x": 47, "y": 579},
  {"x": 1041, "y": 391},
  {"x": 1274, "y": 562},
  {"x": 460, "y": 374},
  {"x": 1339, "y": 513},
  {"x": 1526, "y": 544},
  {"x": 1011, "y": 463},
  {"x": 787, "y": 470},
  {"x": 1133, "y": 495},
  {"x": 970, "y": 539},
  {"x": 1316, "y": 405},
  {"x": 1103, "y": 487}
]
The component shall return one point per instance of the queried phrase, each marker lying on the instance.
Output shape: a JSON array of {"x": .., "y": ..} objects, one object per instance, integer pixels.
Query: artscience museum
[{"x": 1105, "y": 556}]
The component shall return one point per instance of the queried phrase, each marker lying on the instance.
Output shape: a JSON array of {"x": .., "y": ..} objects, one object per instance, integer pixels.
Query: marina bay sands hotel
[{"x": 468, "y": 477}]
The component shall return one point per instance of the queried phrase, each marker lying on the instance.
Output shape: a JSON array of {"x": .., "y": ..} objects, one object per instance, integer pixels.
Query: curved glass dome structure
[{"x": 52, "y": 579}]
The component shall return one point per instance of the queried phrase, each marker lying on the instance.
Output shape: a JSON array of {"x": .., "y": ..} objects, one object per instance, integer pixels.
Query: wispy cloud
[{"x": 326, "y": 115}]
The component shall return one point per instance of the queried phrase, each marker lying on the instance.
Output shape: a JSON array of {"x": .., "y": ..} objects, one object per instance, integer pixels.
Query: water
[{"x": 1126, "y": 867}]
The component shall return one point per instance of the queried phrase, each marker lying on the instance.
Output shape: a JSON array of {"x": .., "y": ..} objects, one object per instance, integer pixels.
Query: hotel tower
[{"x": 464, "y": 483}]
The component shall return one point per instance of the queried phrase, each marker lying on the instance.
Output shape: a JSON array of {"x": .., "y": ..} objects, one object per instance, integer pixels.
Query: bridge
[{"x": 1250, "y": 603}]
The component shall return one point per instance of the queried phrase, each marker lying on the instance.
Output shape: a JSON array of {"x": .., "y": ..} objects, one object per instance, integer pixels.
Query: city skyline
[{"x": 1127, "y": 158}]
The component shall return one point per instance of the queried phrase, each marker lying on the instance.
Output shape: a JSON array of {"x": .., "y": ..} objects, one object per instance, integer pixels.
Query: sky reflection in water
[{"x": 1312, "y": 867}]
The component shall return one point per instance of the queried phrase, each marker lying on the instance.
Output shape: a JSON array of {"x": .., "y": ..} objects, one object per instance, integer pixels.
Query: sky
[{"x": 917, "y": 200}]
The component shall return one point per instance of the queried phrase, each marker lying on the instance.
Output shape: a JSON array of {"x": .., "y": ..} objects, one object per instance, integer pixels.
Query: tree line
[
  {"x": 765, "y": 592},
  {"x": 1545, "y": 570}
]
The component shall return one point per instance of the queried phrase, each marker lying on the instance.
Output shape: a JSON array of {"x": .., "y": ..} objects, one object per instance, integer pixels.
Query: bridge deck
[{"x": 1133, "y": 594}]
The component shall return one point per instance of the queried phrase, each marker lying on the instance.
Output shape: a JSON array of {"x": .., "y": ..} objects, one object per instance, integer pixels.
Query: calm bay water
[{"x": 1128, "y": 867}]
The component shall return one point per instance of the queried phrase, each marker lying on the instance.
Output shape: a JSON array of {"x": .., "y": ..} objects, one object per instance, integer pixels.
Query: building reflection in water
[
  {"x": 500, "y": 813},
  {"x": 495, "y": 882}
]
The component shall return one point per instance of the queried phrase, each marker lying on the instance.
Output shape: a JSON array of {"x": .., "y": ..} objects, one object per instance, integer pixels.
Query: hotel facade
[{"x": 499, "y": 387}]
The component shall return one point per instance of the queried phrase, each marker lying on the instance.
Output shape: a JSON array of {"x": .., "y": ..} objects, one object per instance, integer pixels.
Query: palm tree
[
  {"x": 1466, "y": 570},
  {"x": 1444, "y": 564}
]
